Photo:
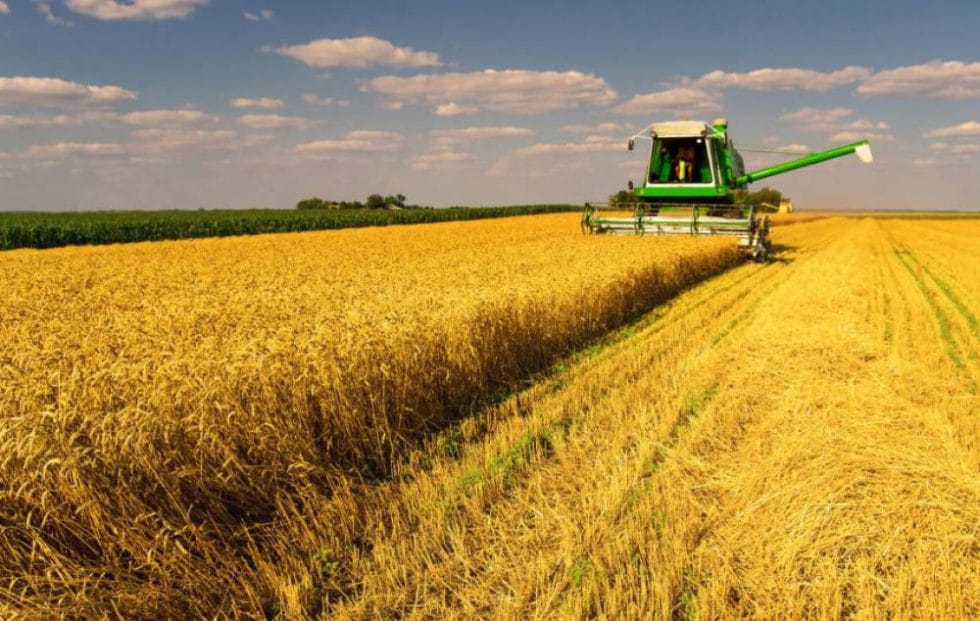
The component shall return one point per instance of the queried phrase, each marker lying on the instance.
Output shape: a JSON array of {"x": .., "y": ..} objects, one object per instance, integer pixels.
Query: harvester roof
[{"x": 680, "y": 129}]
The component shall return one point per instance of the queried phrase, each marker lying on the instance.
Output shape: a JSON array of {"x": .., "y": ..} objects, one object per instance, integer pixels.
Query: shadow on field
[{"x": 782, "y": 253}]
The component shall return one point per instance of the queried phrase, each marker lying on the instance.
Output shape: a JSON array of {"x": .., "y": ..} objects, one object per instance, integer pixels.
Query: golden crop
[
  {"x": 326, "y": 425},
  {"x": 166, "y": 409}
]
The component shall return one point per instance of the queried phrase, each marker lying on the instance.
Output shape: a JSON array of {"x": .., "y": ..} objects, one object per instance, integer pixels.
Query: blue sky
[{"x": 148, "y": 104}]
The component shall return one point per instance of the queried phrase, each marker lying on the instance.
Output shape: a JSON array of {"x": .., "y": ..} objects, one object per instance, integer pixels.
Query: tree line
[{"x": 374, "y": 201}]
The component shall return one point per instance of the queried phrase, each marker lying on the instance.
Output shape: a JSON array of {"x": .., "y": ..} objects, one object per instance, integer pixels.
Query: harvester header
[{"x": 693, "y": 182}]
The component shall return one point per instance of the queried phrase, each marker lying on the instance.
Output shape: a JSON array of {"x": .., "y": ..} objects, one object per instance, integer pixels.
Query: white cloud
[
  {"x": 969, "y": 128},
  {"x": 4, "y": 9},
  {"x": 167, "y": 117},
  {"x": 266, "y": 103},
  {"x": 442, "y": 159},
  {"x": 454, "y": 109},
  {"x": 356, "y": 52},
  {"x": 171, "y": 139},
  {"x": 141, "y": 160},
  {"x": 331, "y": 146},
  {"x": 55, "y": 92},
  {"x": 315, "y": 100},
  {"x": 134, "y": 9},
  {"x": 768, "y": 79},
  {"x": 373, "y": 134},
  {"x": 511, "y": 90},
  {"x": 469, "y": 134},
  {"x": 793, "y": 148},
  {"x": 854, "y": 136},
  {"x": 863, "y": 124},
  {"x": 45, "y": 10},
  {"x": 571, "y": 148},
  {"x": 955, "y": 149},
  {"x": 64, "y": 149},
  {"x": 600, "y": 128},
  {"x": 832, "y": 121},
  {"x": 817, "y": 118},
  {"x": 263, "y": 15},
  {"x": 941, "y": 79},
  {"x": 681, "y": 100},
  {"x": 8, "y": 121},
  {"x": 148, "y": 145},
  {"x": 274, "y": 121},
  {"x": 360, "y": 140}
]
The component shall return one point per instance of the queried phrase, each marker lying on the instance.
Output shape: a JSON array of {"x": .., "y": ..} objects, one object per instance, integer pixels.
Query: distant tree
[
  {"x": 623, "y": 197},
  {"x": 311, "y": 203},
  {"x": 375, "y": 201},
  {"x": 766, "y": 195}
]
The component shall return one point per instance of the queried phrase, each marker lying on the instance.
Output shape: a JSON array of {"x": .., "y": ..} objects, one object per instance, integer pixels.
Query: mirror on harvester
[
  {"x": 629, "y": 145},
  {"x": 629, "y": 184}
]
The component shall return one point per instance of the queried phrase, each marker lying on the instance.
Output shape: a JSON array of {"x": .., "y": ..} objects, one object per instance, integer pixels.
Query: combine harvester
[{"x": 692, "y": 183}]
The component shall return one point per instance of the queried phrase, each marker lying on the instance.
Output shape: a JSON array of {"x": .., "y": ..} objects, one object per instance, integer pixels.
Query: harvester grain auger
[{"x": 691, "y": 186}]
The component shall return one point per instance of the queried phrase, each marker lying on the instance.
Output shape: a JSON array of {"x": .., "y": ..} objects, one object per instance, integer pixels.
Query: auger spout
[{"x": 861, "y": 148}]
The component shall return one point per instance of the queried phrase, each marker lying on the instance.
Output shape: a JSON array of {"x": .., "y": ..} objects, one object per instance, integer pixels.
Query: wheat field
[
  {"x": 446, "y": 421},
  {"x": 167, "y": 406}
]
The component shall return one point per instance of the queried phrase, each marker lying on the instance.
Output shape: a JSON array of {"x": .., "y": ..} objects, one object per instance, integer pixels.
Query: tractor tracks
[{"x": 613, "y": 422}]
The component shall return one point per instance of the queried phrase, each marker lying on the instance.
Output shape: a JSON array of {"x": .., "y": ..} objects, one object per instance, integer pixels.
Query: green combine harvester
[{"x": 693, "y": 181}]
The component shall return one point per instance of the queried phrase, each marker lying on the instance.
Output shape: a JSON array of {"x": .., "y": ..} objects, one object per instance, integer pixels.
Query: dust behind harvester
[{"x": 691, "y": 183}]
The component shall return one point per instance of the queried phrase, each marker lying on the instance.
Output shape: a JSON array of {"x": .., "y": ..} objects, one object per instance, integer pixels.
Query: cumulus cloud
[
  {"x": 275, "y": 121},
  {"x": 266, "y": 103},
  {"x": 793, "y": 148},
  {"x": 147, "y": 144},
  {"x": 373, "y": 134},
  {"x": 167, "y": 118},
  {"x": 814, "y": 118},
  {"x": 453, "y": 109},
  {"x": 768, "y": 79},
  {"x": 441, "y": 159},
  {"x": 511, "y": 90},
  {"x": 955, "y": 149},
  {"x": 44, "y": 9},
  {"x": 262, "y": 16},
  {"x": 833, "y": 121},
  {"x": 360, "y": 140},
  {"x": 356, "y": 52},
  {"x": 681, "y": 100},
  {"x": 447, "y": 137},
  {"x": 134, "y": 9},
  {"x": 600, "y": 128},
  {"x": 64, "y": 149},
  {"x": 969, "y": 128},
  {"x": 172, "y": 138},
  {"x": 315, "y": 100},
  {"x": 571, "y": 148},
  {"x": 55, "y": 92},
  {"x": 9, "y": 121},
  {"x": 941, "y": 79},
  {"x": 853, "y": 136}
]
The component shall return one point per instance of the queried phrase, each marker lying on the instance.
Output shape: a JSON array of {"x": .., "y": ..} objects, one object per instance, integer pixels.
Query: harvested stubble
[
  {"x": 174, "y": 415},
  {"x": 782, "y": 442}
]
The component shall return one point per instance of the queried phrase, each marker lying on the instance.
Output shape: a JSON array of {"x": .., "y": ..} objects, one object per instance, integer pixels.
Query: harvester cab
[{"x": 693, "y": 183}]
